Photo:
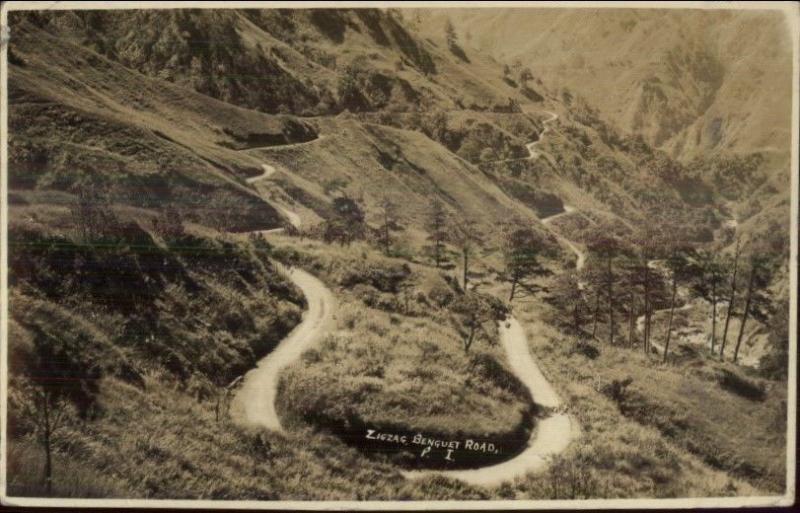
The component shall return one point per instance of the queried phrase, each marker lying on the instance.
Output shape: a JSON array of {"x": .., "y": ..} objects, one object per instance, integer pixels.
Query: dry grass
[
  {"x": 411, "y": 373},
  {"x": 675, "y": 433},
  {"x": 392, "y": 366}
]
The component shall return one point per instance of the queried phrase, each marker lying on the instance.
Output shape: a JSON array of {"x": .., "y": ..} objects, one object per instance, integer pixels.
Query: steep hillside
[
  {"x": 170, "y": 170},
  {"x": 307, "y": 62},
  {"x": 689, "y": 81}
]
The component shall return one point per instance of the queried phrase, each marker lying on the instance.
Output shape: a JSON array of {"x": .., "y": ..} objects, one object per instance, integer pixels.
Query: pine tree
[
  {"x": 521, "y": 250},
  {"x": 437, "y": 231}
]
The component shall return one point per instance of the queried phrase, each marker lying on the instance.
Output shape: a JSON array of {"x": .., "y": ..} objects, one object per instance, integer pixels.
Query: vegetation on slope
[
  {"x": 400, "y": 360},
  {"x": 130, "y": 149}
]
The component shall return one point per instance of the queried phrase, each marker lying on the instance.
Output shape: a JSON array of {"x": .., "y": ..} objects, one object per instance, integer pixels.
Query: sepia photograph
[{"x": 399, "y": 255}]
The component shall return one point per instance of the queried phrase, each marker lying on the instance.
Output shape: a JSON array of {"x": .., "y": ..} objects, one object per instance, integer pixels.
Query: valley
[{"x": 357, "y": 254}]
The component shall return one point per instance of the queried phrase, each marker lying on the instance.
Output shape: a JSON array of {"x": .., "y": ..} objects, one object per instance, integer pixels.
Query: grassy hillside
[
  {"x": 688, "y": 404},
  {"x": 397, "y": 362},
  {"x": 147, "y": 148}
]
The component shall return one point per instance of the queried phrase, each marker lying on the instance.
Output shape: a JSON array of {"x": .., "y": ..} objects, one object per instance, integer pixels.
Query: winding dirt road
[
  {"x": 268, "y": 171},
  {"x": 293, "y": 218},
  {"x": 254, "y": 402},
  {"x": 568, "y": 209},
  {"x": 552, "y": 435},
  {"x": 530, "y": 146},
  {"x": 532, "y": 153},
  {"x": 579, "y": 253}
]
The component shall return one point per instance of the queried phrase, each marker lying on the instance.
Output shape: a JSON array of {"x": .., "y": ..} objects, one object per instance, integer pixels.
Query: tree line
[{"x": 626, "y": 281}]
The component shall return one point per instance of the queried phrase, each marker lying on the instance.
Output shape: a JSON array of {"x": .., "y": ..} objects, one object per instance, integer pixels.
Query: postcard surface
[{"x": 399, "y": 256}]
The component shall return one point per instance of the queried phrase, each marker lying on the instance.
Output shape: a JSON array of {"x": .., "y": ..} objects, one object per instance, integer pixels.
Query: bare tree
[
  {"x": 57, "y": 376},
  {"x": 47, "y": 408}
]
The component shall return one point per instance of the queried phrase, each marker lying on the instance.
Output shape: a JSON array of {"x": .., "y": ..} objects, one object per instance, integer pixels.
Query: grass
[
  {"x": 396, "y": 359},
  {"x": 71, "y": 478},
  {"x": 675, "y": 432},
  {"x": 161, "y": 443},
  {"x": 406, "y": 372}
]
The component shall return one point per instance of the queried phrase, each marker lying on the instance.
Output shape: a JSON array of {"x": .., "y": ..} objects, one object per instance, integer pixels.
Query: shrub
[{"x": 741, "y": 386}]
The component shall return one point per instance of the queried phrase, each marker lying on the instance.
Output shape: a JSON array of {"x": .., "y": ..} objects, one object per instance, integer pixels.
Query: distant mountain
[{"x": 692, "y": 82}]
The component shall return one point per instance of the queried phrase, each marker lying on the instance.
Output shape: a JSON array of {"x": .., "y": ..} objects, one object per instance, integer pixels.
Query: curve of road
[
  {"x": 254, "y": 402},
  {"x": 532, "y": 153},
  {"x": 293, "y": 218},
  {"x": 268, "y": 171},
  {"x": 568, "y": 209},
  {"x": 552, "y": 435},
  {"x": 580, "y": 254},
  {"x": 530, "y": 146}
]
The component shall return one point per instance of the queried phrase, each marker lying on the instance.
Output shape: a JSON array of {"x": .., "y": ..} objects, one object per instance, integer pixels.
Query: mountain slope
[{"x": 690, "y": 81}]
